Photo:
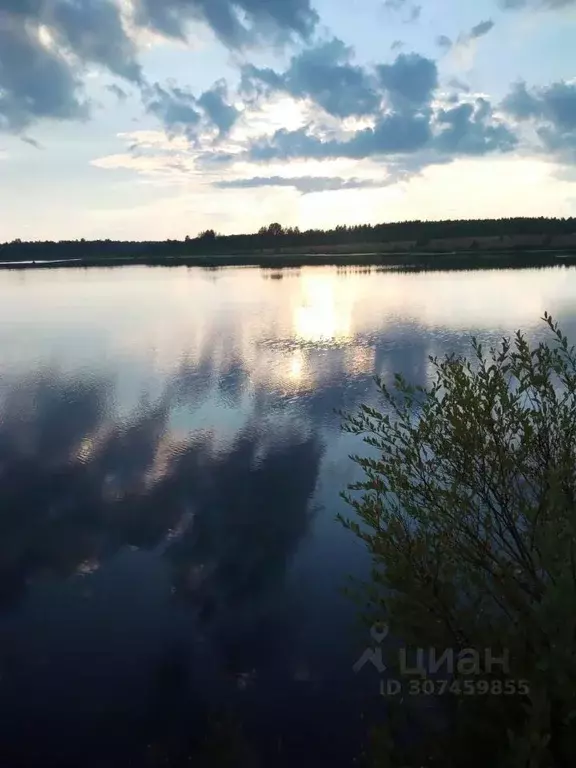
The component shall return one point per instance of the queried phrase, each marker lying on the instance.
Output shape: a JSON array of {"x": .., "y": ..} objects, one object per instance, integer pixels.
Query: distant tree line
[{"x": 275, "y": 237}]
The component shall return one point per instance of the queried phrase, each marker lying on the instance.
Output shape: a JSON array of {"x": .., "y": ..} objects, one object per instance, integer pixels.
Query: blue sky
[{"x": 148, "y": 119}]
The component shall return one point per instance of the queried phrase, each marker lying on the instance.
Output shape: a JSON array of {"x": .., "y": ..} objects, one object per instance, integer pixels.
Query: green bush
[{"x": 467, "y": 507}]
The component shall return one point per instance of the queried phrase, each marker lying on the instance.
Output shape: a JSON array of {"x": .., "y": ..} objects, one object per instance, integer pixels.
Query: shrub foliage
[{"x": 467, "y": 507}]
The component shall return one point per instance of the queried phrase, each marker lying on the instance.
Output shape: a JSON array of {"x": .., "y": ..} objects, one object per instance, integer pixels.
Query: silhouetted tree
[{"x": 275, "y": 230}]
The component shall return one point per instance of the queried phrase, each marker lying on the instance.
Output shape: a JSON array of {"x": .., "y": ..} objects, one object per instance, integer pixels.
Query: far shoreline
[{"x": 414, "y": 260}]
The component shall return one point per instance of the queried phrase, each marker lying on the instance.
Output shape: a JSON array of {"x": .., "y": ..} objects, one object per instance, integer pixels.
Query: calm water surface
[{"x": 170, "y": 464}]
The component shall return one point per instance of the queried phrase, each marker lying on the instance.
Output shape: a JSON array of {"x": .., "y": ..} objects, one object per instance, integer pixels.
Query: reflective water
[{"x": 170, "y": 464}]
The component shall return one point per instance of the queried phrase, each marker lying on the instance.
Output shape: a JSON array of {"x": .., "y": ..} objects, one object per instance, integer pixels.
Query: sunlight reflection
[
  {"x": 297, "y": 364},
  {"x": 320, "y": 317},
  {"x": 294, "y": 374},
  {"x": 360, "y": 361}
]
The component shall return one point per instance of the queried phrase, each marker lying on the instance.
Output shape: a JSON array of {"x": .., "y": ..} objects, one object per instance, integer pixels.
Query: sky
[{"x": 155, "y": 119}]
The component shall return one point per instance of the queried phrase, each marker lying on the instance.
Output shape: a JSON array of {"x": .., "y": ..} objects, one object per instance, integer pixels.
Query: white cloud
[
  {"x": 155, "y": 140},
  {"x": 278, "y": 112},
  {"x": 145, "y": 164}
]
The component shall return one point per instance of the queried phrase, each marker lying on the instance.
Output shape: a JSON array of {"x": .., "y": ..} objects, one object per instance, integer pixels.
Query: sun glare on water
[{"x": 320, "y": 317}]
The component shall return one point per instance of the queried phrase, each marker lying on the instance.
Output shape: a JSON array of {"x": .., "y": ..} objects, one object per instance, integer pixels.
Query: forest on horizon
[{"x": 409, "y": 235}]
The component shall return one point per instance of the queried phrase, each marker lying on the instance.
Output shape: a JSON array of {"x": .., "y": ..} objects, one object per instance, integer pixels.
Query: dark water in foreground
[{"x": 170, "y": 464}]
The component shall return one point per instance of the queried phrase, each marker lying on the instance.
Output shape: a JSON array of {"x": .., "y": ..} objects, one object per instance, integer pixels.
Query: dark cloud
[
  {"x": 412, "y": 130},
  {"x": 552, "y": 109},
  {"x": 325, "y": 75},
  {"x": 38, "y": 81},
  {"x": 481, "y": 29},
  {"x": 120, "y": 93},
  {"x": 175, "y": 107},
  {"x": 470, "y": 129},
  {"x": 236, "y": 22},
  {"x": 45, "y": 81},
  {"x": 35, "y": 82},
  {"x": 411, "y": 79},
  {"x": 555, "y": 103},
  {"x": 31, "y": 142},
  {"x": 93, "y": 31},
  {"x": 405, "y": 123},
  {"x": 182, "y": 113},
  {"x": 258, "y": 82},
  {"x": 393, "y": 134},
  {"x": 397, "y": 45},
  {"x": 523, "y": 105},
  {"x": 215, "y": 104},
  {"x": 465, "y": 39},
  {"x": 304, "y": 184}
]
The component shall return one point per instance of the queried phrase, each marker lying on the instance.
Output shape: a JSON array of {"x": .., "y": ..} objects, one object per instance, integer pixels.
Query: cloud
[
  {"x": 157, "y": 157},
  {"x": 44, "y": 44},
  {"x": 393, "y": 134},
  {"x": 35, "y": 82},
  {"x": 175, "y": 107},
  {"x": 156, "y": 167},
  {"x": 397, "y": 97},
  {"x": 120, "y": 93},
  {"x": 524, "y": 105},
  {"x": 237, "y": 23},
  {"x": 405, "y": 123},
  {"x": 139, "y": 141},
  {"x": 304, "y": 184},
  {"x": 397, "y": 45},
  {"x": 459, "y": 85},
  {"x": 413, "y": 10},
  {"x": 481, "y": 29},
  {"x": 467, "y": 38},
  {"x": 555, "y": 103},
  {"x": 551, "y": 5},
  {"x": 411, "y": 79},
  {"x": 31, "y": 142},
  {"x": 323, "y": 74},
  {"x": 463, "y": 50},
  {"x": 182, "y": 113},
  {"x": 415, "y": 13},
  {"x": 93, "y": 31},
  {"x": 215, "y": 104},
  {"x": 552, "y": 109},
  {"x": 470, "y": 129}
]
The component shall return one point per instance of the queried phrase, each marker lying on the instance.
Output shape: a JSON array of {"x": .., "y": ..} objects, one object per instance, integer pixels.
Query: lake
[{"x": 171, "y": 570}]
